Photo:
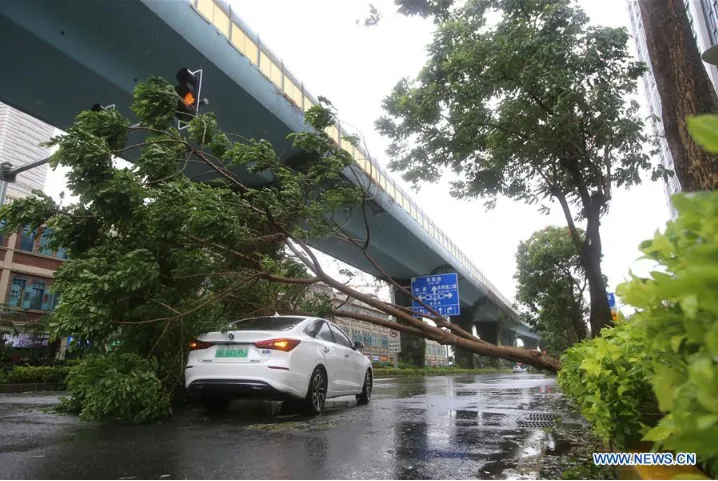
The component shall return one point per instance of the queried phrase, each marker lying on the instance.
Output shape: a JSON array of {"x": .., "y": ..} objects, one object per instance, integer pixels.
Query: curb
[{"x": 28, "y": 387}]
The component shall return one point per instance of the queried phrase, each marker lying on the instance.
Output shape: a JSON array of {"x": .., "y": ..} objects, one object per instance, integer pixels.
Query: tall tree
[
  {"x": 684, "y": 87},
  {"x": 532, "y": 107},
  {"x": 551, "y": 284},
  {"x": 155, "y": 256}
]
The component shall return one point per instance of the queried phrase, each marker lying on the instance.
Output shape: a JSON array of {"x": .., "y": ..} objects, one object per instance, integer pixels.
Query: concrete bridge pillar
[
  {"x": 508, "y": 338},
  {"x": 413, "y": 348},
  {"x": 465, "y": 320},
  {"x": 488, "y": 331}
]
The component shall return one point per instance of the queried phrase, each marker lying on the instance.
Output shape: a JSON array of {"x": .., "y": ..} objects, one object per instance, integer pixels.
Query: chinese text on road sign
[{"x": 440, "y": 292}]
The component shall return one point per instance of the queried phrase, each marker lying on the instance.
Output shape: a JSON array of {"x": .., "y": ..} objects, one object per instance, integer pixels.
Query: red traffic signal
[{"x": 188, "y": 89}]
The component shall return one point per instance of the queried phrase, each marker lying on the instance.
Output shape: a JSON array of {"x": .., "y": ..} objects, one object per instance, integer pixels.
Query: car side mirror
[{"x": 358, "y": 346}]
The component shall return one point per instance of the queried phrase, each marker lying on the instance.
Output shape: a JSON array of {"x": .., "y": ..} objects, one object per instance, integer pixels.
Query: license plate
[{"x": 231, "y": 352}]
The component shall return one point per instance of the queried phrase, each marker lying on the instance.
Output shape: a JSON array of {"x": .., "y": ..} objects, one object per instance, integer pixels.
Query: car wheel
[
  {"x": 216, "y": 404},
  {"x": 365, "y": 395},
  {"x": 317, "y": 393}
]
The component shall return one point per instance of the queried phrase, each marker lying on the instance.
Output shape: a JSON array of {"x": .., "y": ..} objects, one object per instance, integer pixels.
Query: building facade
[
  {"x": 27, "y": 263},
  {"x": 375, "y": 338},
  {"x": 703, "y": 18},
  {"x": 436, "y": 354},
  {"x": 27, "y": 268},
  {"x": 20, "y": 139}
]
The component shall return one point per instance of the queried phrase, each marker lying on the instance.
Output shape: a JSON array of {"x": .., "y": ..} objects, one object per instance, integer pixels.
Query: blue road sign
[
  {"x": 440, "y": 292},
  {"x": 611, "y": 300}
]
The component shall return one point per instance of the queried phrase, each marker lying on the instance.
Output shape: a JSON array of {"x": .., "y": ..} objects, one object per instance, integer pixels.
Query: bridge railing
[{"x": 220, "y": 15}]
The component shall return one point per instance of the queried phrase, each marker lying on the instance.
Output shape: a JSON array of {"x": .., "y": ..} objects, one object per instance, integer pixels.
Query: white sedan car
[{"x": 280, "y": 357}]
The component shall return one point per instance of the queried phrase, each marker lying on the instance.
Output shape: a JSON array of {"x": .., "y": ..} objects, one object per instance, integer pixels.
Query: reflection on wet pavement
[{"x": 475, "y": 427}]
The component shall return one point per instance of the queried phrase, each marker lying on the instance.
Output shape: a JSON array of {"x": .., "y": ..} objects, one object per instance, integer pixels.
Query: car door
[
  {"x": 353, "y": 379},
  {"x": 334, "y": 359}
]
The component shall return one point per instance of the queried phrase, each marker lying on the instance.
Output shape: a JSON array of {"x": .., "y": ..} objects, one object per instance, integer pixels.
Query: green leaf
[
  {"x": 711, "y": 339},
  {"x": 676, "y": 342},
  {"x": 664, "y": 393},
  {"x": 704, "y": 130},
  {"x": 706, "y": 421},
  {"x": 658, "y": 434},
  {"x": 689, "y": 304}
]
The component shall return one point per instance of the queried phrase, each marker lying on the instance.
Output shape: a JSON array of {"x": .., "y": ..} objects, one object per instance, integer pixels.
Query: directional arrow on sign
[{"x": 435, "y": 296}]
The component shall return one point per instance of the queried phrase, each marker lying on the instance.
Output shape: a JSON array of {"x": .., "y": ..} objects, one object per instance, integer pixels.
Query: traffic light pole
[
  {"x": 8, "y": 174},
  {"x": 187, "y": 79}
]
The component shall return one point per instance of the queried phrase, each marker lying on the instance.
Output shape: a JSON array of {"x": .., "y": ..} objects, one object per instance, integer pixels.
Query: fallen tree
[{"x": 156, "y": 258}]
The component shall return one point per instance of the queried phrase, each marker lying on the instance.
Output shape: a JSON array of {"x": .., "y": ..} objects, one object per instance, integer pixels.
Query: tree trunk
[
  {"x": 589, "y": 251},
  {"x": 684, "y": 87},
  {"x": 600, "y": 312}
]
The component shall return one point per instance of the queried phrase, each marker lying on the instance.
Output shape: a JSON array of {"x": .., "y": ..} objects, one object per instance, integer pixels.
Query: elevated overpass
[{"x": 62, "y": 57}]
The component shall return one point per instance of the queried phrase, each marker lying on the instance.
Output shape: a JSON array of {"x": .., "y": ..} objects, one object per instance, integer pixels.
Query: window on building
[
  {"x": 27, "y": 239},
  {"x": 32, "y": 298},
  {"x": 61, "y": 253},
  {"x": 17, "y": 288},
  {"x": 45, "y": 242},
  {"x": 48, "y": 301}
]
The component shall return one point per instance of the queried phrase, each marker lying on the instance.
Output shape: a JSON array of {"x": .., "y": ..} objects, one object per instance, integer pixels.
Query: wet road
[{"x": 475, "y": 427}]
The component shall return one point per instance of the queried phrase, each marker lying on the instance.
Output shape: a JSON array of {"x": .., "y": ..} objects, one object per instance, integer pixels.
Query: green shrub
[
  {"x": 607, "y": 377},
  {"x": 35, "y": 374},
  {"x": 116, "y": 386},
  {"x": 678, "y": 308}
]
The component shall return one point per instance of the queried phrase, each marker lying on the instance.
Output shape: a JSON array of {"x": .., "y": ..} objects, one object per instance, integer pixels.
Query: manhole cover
[
  {"x": 541, "y": 417},
  {"x": 537, "y": 420}
]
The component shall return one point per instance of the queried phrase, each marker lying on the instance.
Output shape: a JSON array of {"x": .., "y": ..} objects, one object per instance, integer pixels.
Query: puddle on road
[{"x": 507, "y": 429}]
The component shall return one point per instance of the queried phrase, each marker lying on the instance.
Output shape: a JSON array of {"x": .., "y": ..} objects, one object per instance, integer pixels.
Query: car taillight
[
  {"x": 195, "y": 345},
  {"x": 285, "y": 345}
]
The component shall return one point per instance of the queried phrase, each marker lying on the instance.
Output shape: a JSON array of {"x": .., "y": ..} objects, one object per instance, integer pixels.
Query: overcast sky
[{"x": 356, "y": 67}]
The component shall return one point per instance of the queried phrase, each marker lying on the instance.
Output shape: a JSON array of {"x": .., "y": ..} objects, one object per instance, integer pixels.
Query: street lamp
[{"x": 711, "y": 55}]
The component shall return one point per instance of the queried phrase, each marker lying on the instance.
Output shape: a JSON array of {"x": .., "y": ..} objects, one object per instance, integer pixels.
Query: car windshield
[{"x": 266, "y": 324}]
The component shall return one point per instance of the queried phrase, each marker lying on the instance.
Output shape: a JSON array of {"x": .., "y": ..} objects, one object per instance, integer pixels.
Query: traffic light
[
  {"x": 188, "y": 88},
  {"x": 614, "y": 315}
]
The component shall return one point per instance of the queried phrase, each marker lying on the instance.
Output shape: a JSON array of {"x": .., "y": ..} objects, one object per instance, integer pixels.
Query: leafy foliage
[
  {"x": 678, "y": 307},
  {"x": 35, "y": 374},
  {"x": 551, "y": 285},
  {"x": 439, "y": 9},
  {"x": 704, "y": 130},
  {"x": 119, "y": 386},
  {"x": 157, "y": 258},
  {"x": 532, "y": 107},
  {"x": 607, "y": 378}
]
